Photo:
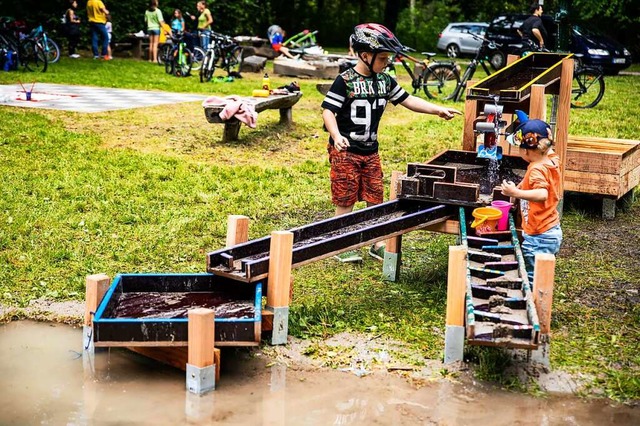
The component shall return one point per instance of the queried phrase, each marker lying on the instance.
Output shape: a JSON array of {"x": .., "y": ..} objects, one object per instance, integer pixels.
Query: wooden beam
[
  {"x": 538, "y": 107},
  {"x": 96, "y": 286},
  {"x": 237, "y": 230},
  {"x": 176, "y": 357},
  {"x": 562, "y": 122},
  {"x": 543, "y": 282},
  {"x": 470, "y": 115},
  {"x": 456, "y": 285},
  {"x": 512, "y": 58},
  {"x": 201, "y": 330},
  {"x": 280, "y": 263},
  {"x": 393, "y": 244}
]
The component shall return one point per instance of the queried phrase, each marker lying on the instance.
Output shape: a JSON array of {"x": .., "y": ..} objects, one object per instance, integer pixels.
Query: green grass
[{"x": 149, "y": 190}]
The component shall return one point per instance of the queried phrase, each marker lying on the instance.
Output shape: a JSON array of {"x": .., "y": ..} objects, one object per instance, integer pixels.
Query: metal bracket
[
  {"x": 280, "y": 325},
  {"x": 201, "y": 380}
]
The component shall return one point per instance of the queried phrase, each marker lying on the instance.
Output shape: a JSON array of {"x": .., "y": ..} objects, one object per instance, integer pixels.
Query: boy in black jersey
[{"x": 352, "y": 111}]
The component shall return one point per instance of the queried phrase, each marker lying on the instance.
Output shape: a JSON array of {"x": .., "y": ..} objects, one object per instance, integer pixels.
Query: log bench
[
  {"x": 284, "y": 103},
  {"x": 606, "y": 167}
]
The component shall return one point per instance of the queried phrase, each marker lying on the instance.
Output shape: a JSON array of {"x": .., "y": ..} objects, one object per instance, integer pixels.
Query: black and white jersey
[{"x": 359, "y": 105}]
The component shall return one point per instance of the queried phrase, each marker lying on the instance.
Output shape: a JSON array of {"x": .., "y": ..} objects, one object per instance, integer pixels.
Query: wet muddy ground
[{"x": 43, "y": 381}]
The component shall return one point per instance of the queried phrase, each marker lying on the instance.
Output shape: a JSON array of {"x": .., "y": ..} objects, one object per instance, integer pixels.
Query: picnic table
[{"x": 284, "y": 103}]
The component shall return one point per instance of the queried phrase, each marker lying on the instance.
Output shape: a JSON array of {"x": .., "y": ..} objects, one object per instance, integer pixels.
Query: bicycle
[
  {"x": 442, "y": 80},
  {"x": 587, "y": 87},
  {"x": 50, "y": 47},
  {"x": 179, "y": 60},
  {"x": 223, "y": 52},
  {"x": 165, "y": 50},
  {"x": 30, "y": 55},
  {"x": 434, "y": 86}
]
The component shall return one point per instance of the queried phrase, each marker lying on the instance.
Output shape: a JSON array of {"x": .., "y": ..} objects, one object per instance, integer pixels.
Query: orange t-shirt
[{"x": 540, "y": 216}]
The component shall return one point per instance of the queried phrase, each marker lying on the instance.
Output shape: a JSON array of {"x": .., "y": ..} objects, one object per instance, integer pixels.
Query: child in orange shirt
[{"x": 538, "y": 191}]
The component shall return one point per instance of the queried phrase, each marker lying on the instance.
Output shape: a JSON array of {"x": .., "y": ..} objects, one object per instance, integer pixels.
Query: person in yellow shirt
[{"x": 97, "y": 16}]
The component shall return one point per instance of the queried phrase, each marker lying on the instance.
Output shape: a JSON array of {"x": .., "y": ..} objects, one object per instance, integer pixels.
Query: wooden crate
[{"x": 603, "y": 166}]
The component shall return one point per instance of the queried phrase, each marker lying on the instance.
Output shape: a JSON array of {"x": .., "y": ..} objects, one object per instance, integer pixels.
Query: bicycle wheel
[
  {"x": 197, "y": 58},
  {"x": 164, "y": 54},
  {"x": 32, "y": 56},
  {"x": 440, "y": 81},
  {"x": 234, "y": 60},
  {"x": 52, "y": 50},
  {"x": 182, "y": 62},
  {"x": 587, "y": 88},
  {"x": 208, "y": 66}
]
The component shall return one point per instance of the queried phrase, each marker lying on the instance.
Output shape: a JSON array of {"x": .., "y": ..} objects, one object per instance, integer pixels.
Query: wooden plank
[
  {"x": 96, "y": 286},
  {"x": 538, "y": 106},
  {"x": 592, "y": 183},
  {"x": 543, "y": 282},
  {"x": 267, "y": 320},
  {"x": 201, "y": 331},
  {"x": 629, "y": 181},
  {"x": 237, "y": 230},
  {"x": 456, "y": 191},
  {"x": 562, "y": 120},
  {"x": 448, "y": 226},
  {"x": 174, "y": 357},
  {"x": 392, "y": 245},
  {"x": 456, "y": 285},
  {"x": 593, "y": 161},
  {"x": 468, "y": 135},
  {"x": 280, "y": 263},
  {"x": 260, "y": 104}
]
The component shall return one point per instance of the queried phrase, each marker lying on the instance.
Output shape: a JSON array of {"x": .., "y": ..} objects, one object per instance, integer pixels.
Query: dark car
[{"x": 596, "y": 49}]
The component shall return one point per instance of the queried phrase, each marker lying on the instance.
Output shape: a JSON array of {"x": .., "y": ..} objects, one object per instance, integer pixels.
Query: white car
[{"x": 456, "y": 38}]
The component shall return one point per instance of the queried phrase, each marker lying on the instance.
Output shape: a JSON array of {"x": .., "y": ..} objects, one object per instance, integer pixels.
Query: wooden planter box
[
  {"x": 604, "y": 166},
  {"x": 161, "y": 304}
]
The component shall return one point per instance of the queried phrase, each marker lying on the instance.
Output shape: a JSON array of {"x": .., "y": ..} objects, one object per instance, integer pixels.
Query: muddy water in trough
[{"x": 42, "y": 381}]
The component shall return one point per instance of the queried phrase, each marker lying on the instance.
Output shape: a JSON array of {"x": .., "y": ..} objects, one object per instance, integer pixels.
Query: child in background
[
  {"x": 177, "y": 23},
  {"x": 109, "y": 27},
  {"x": 538, "y": 192},
  {"x": 352, "y": 111}
]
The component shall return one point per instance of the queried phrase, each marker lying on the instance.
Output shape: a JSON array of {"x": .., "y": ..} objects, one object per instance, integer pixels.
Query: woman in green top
[
  {"x": 204, "y": 24},
  {"x": 154, "y": 20}
]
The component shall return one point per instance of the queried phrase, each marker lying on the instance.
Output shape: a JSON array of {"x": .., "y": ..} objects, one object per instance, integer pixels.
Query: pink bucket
[{"x": 504, "y": 207}]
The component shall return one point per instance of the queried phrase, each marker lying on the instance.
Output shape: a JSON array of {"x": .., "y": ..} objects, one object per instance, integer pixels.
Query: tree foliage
[{"x": 334, "y": 19}]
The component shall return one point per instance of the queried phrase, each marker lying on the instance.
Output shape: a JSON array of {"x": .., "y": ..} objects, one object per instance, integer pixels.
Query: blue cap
[{"x": 528, "y": 134}]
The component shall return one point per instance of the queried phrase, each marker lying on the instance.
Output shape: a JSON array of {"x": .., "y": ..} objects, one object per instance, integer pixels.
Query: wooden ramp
[{"x": 499, "y": 302}]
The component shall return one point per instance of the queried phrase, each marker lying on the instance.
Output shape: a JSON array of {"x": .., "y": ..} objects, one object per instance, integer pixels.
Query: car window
[
  {"x": 477, "y": 29},
  {"x": 456, "y": 29}
]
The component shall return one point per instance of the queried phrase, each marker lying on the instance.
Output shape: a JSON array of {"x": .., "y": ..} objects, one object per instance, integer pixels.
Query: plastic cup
[
  {"x": 504, "y": 207},
  {"x": 28, "y": 95}
]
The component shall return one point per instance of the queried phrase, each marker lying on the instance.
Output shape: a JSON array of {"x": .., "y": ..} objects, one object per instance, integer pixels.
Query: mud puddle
[{"x": 42, "y": 381}]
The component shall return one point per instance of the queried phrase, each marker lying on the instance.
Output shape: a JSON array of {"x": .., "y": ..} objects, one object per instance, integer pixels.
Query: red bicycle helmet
[{"x": 374, "y": 38}]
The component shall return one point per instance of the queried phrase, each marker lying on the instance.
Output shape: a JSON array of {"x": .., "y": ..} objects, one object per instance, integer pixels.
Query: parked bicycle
[
  {"x": 442, "y": 80},
  {"x": 223, "y": 52},
  {"x": 28, "y": 53},
  {"x": 178, "y": 59},
  {"x": 165, "y": 50},
  {"x": 50, "y": 47}
]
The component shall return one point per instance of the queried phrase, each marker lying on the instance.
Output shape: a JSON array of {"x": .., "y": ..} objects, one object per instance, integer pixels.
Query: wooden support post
[
  {"x": 200, "y": 361},
  {"x": 279, "y": 282},
  {"x": 538, "y": 105},
  {"x": 543, "y": 281},
  {"x": 286, "y": 116},
  {"x": 392, "y": 250},
  {"x": 231, "y": 131},
  {"x": 456, "y": 290},
  {"x": 562, "y": 124},
  {"x": 512, "y": 58},
  {"x": 470, "y": 115},
  {"x": 237, "y": 229},
  {"x": 96, "y": 286}
]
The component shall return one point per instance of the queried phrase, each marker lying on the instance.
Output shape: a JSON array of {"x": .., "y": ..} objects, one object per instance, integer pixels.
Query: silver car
[{"x": 456, "y": 38}]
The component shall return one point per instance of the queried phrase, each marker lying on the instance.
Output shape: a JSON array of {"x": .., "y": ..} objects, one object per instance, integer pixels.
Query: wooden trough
[
  {"x": 460, "y": 178},
  {"x": 151, "y": 310}
]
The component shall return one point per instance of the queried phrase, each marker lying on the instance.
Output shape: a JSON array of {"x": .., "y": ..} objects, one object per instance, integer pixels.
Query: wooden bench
[
  {"x": 284, "y": 103},
  {"x": 606, "y": 167}
]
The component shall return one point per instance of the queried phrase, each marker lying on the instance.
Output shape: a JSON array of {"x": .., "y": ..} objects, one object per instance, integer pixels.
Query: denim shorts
[
  {"x": 547, "y": 242},
  {"x": 153, "y": 32}
]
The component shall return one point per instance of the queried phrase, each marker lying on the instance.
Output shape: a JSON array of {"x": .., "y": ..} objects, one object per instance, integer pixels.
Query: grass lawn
[{"x": 149, "y": 190}]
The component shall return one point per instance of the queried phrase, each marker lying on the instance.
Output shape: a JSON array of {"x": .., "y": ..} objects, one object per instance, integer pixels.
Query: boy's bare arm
[
  {"x": 511, "y": 190},
  {"x": 417, "y": 104},
  {"x": 339, "y": 141}
]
